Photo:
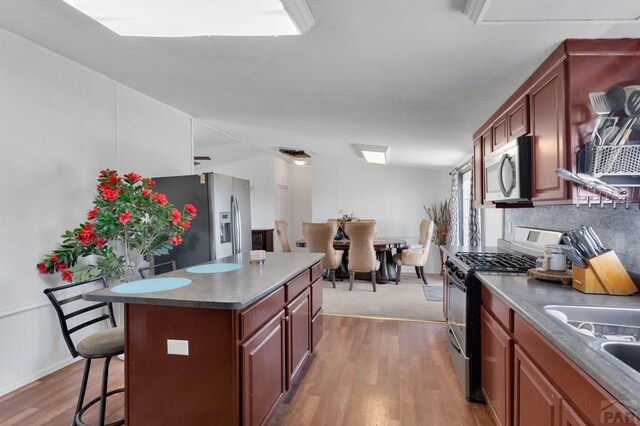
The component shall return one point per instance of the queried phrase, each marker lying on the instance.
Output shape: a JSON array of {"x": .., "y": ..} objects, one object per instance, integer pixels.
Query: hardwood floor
[{"x": 364, "y": 372}]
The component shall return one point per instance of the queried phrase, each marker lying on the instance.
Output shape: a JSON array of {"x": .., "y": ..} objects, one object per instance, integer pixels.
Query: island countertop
[{"x": 225, "y": 290}]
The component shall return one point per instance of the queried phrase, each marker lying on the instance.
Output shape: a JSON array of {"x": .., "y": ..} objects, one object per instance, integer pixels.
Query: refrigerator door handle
[
  {"x": 235, "y": 226},
  {"x": 238, "y": 226}
]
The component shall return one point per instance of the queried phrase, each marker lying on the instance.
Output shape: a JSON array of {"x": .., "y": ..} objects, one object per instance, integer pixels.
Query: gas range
[{"x": 494, "y": 262}]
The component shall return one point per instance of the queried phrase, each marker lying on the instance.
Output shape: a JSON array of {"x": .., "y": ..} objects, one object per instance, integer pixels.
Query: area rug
[
  {"x": 404, "y": 301},
  {"x": 433, "y": 293}
]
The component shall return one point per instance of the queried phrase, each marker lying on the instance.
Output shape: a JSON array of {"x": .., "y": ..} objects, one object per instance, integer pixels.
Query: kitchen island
[{"x": 224, "y": 349}]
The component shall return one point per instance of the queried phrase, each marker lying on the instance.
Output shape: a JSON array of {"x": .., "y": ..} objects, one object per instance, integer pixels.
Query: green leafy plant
[
  {"x": 129, "y": 222},
  {"x": 344, "y": 219},
  {"x": 440, "y": 214}
]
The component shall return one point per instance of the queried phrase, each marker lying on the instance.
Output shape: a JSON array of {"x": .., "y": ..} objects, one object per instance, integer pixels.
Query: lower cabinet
[
  {"x": 298, "y": 334},
  {"x": 263, "y": 367},
  {"x": 569, "y": 417},
  {"x": 496, "y": 355},
  {"x": 536, "y": 402}
]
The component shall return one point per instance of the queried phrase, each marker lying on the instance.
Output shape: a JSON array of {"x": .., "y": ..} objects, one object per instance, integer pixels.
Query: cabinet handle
[{"x": 286, "y": 318}]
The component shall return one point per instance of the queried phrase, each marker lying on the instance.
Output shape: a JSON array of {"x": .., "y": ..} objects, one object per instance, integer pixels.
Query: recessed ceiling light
[
  {"x": 299, "y": 162},
  {"x": 190, "y": 18},
  {"x": 375, "y": 154}
]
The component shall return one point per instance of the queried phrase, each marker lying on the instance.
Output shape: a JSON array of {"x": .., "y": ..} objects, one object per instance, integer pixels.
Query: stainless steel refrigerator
[{"x": 223, "y": 224}]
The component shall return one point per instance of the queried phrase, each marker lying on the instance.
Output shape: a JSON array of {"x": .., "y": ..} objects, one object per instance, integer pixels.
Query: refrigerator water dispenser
[{"x": 225, "y": 227}]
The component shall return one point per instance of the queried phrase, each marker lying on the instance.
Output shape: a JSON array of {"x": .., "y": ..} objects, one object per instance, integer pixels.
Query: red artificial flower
[
  {"x": 175, "y": 216},
  {"x": 160, "y": 199},
  {"x": 113, "y": 179},
  {"x": 190, "y": 208},
  {"x": 145, "y": 192},
  {"x": 124, "y": 217},
  {"x": 42, "y": 268},
  {"x": 67, "y": 276},
  {"x": 54, "y": 258},
  {"x": 185, "y": 225},
  {"x": 100, "y": 243},
  {"x": 104, "y": 173},
  {"x": 109, "y": 194},
  {"x": 134, "y": 177},
  {"x": 60, "y": 266},
  {"x": 92, "y": 213},
  {"x": 86, "y": 235},
  {"x": 151, "y": 183},
  {"x": 175, "y": 240}
]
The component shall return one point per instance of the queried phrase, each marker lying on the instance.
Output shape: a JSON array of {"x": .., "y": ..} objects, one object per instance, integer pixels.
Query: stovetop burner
[{"x": 496, "y": 262}]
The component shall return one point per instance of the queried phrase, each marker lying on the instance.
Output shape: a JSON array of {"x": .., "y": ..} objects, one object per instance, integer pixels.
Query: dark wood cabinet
[
  {"x": 536, "y": 401},
  {"x": 262, "y": 239},
  {"x": 298, "y": 334},
  {"x": 500, "y": 136},
  {"x": 569, "y": 417},
  {"x": 548, "y": 132},
  {"x": 496, "y": 355},
  {"x": 487, "y": 141},
  {"x": 518, "y": 118},
  {"x": 477, "y": 173},
  {"x": 263, "y": 367}
]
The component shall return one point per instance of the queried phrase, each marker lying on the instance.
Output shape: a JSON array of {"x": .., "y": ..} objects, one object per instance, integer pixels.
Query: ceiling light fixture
[
  {"x": 375, "y": 153},
  {"x": 299, "y": 162},
  {"x": 191, "y": 18}
]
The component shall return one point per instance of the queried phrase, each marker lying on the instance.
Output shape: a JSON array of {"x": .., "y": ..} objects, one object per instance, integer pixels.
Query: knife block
[{"x": 604, "y": 274}]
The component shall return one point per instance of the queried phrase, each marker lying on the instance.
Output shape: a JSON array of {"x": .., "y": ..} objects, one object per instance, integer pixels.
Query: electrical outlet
[
  {"x": 178, "y": 347},
  {"x": 509, "y": 227}
]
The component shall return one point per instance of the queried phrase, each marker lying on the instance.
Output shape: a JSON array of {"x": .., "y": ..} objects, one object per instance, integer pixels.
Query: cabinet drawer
[
  {"x": 256, "y": 315},
  {"x": 316, "y": 330},
  {"x": 316, "y": 271},
  {"x": 297, "y": 285},
  {"x": 498, "y": 309},
  {"x": 316, "y": 296}
]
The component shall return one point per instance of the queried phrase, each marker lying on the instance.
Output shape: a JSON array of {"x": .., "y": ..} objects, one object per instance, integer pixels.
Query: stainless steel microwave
[{"x": 507, "y": 172}]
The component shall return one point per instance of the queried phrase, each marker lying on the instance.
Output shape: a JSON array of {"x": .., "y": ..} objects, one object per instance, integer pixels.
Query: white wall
[
  {"x": 393, "y": 196},
  {"x": 61, "y": 123},
  {"x": 492, "y": 226},
  {"x": 300, "y": 201}
]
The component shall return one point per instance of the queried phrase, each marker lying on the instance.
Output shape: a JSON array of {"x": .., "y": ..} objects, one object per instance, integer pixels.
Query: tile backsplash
[{"x": 618, "y": 228}]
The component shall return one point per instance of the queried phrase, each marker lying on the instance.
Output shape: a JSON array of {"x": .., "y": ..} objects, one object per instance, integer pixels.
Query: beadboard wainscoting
[{"x": 32, "y": 346}]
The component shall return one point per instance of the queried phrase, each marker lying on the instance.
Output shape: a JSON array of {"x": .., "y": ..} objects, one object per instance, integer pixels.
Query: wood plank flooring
[{"x": 364, "y": 372}]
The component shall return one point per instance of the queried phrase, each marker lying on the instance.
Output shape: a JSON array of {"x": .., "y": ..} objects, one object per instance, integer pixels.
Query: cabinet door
[
  {"x": 568, "y": 416},
  {"x": 536, "y": 401},
  {"x": 548, "y": 128},
  {"x": 500, "y": 132},
  {"x": 487, "y": 141},
  {"x": 518, "y": 118},
  {"x": 263, "y": 371},
  {"x": 478, "y": 188},
  {"x": 298, "y": 334},
  {"x": 496, "y": 355}
]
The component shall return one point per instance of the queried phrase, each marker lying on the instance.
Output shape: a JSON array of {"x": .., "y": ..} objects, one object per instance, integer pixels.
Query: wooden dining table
[{"x": 383, "y": 246}]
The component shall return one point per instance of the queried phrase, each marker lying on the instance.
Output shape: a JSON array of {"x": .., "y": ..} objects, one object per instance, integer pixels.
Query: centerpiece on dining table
[
  {"x": 342, "y": 220},
  {"x": 129, "y": 222}
]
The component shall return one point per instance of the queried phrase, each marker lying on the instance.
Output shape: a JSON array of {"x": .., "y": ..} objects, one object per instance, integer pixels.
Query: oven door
[{"x": 457, "y": 310}]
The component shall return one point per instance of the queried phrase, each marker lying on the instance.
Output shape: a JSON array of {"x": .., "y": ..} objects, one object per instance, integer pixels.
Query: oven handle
[
  {"x": 452, "y": 340},
  {"x": 454, "y": 281}
]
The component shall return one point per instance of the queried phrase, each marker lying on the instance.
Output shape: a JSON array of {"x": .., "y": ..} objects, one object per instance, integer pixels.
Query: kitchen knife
[
  {"x": 584, "y": 240},
  {"x": 589, "y": 239},
  {"x": 596, "y": 239},
  {"x": 579, "y": 244},
  {"x": 573, "y": 256}
]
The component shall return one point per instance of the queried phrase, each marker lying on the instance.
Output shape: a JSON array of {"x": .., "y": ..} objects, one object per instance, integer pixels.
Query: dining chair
[
  {"x": 362, "y": 255},
  {"x": 75, "y": 314},
  {"x": 416, "y": 256},
  {"x": 157, "y": 269},
  {"x": 281, "y": 229},
  {"x": 319, "y": 238}
]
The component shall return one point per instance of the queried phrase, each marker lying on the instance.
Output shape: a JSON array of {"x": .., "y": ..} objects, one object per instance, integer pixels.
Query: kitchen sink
[
  {"x": 627, "y": 352},
  {"x": 599, "y": 321}
]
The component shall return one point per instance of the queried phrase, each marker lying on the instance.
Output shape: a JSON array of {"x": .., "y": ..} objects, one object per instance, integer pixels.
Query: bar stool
[
  {"x": 75, "y": 314},
  {"x": 158, "y": 267}
]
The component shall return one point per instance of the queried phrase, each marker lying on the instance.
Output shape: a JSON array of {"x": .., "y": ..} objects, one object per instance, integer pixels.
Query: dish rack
[{"x": 613, "y": 163}]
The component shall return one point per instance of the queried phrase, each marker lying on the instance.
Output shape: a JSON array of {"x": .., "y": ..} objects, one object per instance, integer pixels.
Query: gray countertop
[
  {"x": 527, "y": 296},
  {"x": 226, "y": 290}
]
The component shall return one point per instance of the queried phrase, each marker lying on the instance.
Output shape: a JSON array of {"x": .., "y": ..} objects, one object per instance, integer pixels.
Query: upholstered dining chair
[
  {"x": 74, "y": 315},
  {"x": 362, "y": 255},
  {"x": 281, "y": 229},
  {"x": 319, "y": 238},
  {"x": 416, "y": 257}
]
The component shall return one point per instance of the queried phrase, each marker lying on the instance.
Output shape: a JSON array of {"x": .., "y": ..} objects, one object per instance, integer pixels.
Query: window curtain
[{"x": 457, "y": 214}]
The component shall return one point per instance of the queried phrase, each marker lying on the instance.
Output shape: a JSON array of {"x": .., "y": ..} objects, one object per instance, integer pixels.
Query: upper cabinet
[{"x": 552, "y": 106}]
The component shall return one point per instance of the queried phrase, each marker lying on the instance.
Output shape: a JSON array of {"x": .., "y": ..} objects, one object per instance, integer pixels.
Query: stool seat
[{"x": 102, "y": 343}]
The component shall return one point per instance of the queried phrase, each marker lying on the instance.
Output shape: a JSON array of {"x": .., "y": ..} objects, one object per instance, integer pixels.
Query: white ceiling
[{"x": 418, "y": 76}]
